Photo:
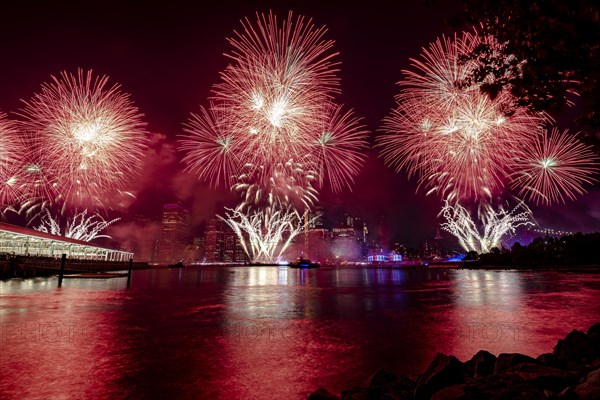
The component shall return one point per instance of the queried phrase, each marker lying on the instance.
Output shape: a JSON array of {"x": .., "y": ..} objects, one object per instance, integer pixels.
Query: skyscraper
[
  {"x": 213, "y": 240},
  {"x": 175, "y": 233},
  {"x": 221, "y": 243}
]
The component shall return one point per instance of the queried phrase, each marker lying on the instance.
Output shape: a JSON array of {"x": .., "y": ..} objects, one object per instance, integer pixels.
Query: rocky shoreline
[{"x": 570, "y": 372}]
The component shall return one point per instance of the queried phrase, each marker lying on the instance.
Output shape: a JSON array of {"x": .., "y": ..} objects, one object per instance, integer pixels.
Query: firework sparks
[
  {"x": 12, "y": 155},
  {"x": 88, "y": 137},
  {"x": 273, "y": 131},
  {"x": 275, "y": 104},
  {"x": 209, "y": 148},
  {"x": 289, "y": 184},
  {"x": 554, "y": 165},
  {"x": 80, "y": 227},
  {"x": 266, "y": 233},
  {"x": 339, "y": 151},
  {"x": 495, "y": 224},
  {"x": 278, "y": 87},
  {"x": 457, "y": 139}
]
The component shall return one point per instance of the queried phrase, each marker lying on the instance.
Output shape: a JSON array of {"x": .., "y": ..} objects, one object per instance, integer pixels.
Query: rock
[
  {"x": 454, "y": 392},
  {"x": 593, "y": 334},
  {"x": 589, "y": 389},
  {"x": 551, "y": 360},
  {"x": 382, "y": 377},
  {"x": 384, "y": 385},
  {"x": 575, "y": 349},
  {"x": 391, "y": 384},
  {"x": 500, "y": 387},
  {"x": 322, "y": 394},
  {"x": 594, "y": 329},
  {"x": 567, "y": 394},
  {"x": 543, "y": 377},
  {"x": 443, "y": 371},
  {"x": 482, "y": 364},
  {"x": 508, "y": 360},
  {"x": 363, "y": 393}
]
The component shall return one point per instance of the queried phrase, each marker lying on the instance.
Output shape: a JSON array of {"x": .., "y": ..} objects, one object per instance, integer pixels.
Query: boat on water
[
  {"x": 303, "y": 263},
  {"x": 180, "y": 264}
]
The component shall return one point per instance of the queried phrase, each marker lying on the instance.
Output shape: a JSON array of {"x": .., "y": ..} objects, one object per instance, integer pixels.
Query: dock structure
[
  {"x": 20, "y": 241},
  {"x": 26, "y": 252}
]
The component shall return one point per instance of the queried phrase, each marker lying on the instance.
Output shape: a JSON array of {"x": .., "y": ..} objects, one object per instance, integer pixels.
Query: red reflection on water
[{"x": 270, "y": 332}]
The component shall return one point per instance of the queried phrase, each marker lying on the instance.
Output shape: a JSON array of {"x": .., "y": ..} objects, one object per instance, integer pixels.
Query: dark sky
[{"x": 167, "y": 56}]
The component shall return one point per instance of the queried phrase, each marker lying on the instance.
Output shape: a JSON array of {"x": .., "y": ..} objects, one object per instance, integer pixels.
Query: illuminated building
[
  {"x": 175, "y": 233},
  {"x": 16, "y": 240},
  {"x": 232, "y": 247},
  {"x": 345, "y": 245},
  {"x": 213, "y": 240}
]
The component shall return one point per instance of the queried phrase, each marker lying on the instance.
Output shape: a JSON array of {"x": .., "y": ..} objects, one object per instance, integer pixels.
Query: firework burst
[
  {"x": 275, "y": 103},
  {"x": 210, "y": 148},
  {"x": 88, "y": 137},
  {"x": 273, "y": 131},
  {"x": 458, "y": 140},
  {"x": 554, "y": 166},
  {"x": 12, "y": 161},
  {"x": 279, "y": 85}
]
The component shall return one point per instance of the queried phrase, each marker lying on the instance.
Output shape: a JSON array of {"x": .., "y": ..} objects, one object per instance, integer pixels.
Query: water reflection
[{"x": 223, "y": 333}]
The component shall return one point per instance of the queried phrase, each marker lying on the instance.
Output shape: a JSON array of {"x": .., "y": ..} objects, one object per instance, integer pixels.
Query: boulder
[
  {"x": 443, "y": 371},
  {"x": 551, "y": 360},
  {"x": 594, "y": 329},
  {"x": 382, "y": 377},
  {"x": 589, "y": 389},
  {"x": 567, "y": 394},
  {"x": 543, "y": 377},
  {"x": 482, "y": 364},
  {"x": 364, "y": 393},
  {"x": 495, "y": 387},
  {"x": 593, "y": 334},
  {"x": 500, "y": 387},
  {"x": 508, "y": 360},
  {"x": 454, "y": 392},
  {"x": 322, "y": 394},
  {"x": 575, "y": 349},
  {"x": 391, "y": 382}
]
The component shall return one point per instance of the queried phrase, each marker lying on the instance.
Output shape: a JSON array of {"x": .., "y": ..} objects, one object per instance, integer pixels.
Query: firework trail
[
  {"x": 554, "y": 165},
  {"x": 496, "y": 224},
  {"x": 80, "y": 227},
  {"x": 265, "y": 234},
  {"x": 12, "y": 160},
  {"x": 88, "y": 137}
]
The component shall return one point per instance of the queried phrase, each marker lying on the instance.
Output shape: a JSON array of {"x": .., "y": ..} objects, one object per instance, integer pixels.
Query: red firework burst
[
  {"x": 88, "y": 137},
  {"x": 457, "y": 139},
  {"x": 554, "y": 166},
  {"x": 275, "y": 104},
  {"x": 12, "y": 162}
]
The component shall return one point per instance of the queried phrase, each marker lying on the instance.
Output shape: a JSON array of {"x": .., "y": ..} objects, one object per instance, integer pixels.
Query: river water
[{"x": 269, "y": 332}]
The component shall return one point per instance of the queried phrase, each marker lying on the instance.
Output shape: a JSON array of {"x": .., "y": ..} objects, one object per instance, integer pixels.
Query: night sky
[{"x": 168, "y": 55}]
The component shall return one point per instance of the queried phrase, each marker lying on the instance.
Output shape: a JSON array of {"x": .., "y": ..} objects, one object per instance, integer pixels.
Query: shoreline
[{"x": 570, "y": 372}]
